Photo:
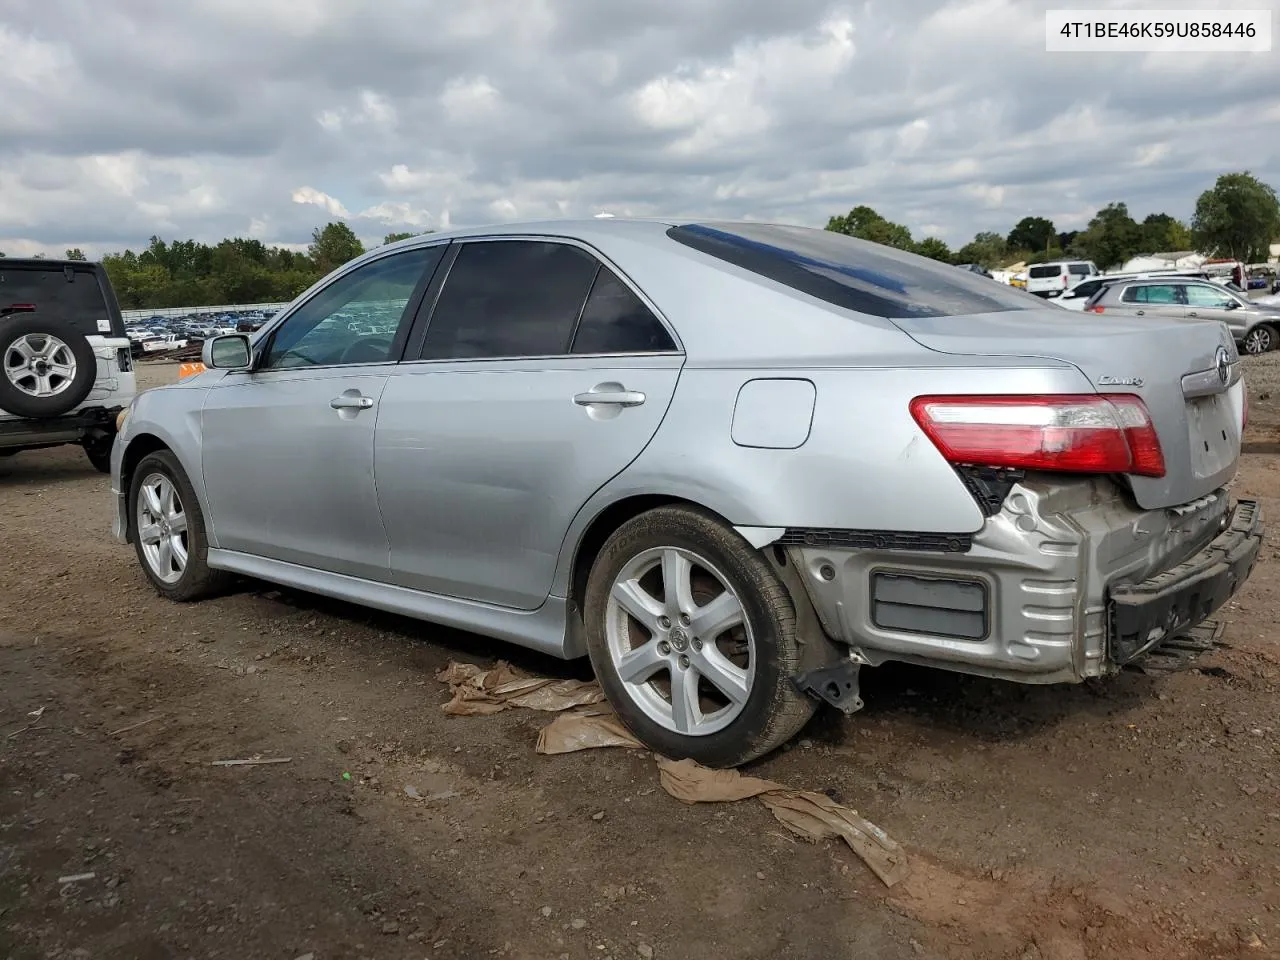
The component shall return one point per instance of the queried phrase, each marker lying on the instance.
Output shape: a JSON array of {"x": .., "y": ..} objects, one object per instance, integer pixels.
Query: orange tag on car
[{"x": 190, "y": 369}]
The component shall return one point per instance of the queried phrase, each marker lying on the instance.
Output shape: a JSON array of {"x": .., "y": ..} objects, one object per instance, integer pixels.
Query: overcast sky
[{"x": 266, "y": 118}]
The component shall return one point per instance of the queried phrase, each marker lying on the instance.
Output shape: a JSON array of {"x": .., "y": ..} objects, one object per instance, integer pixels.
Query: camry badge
[{"x": 1119, "y": 381}]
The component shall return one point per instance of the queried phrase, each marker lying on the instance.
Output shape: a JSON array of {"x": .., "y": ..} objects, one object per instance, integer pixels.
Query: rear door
[
  {"x": 541, "y": 374},
  {"x": 1155, "y": 299}
]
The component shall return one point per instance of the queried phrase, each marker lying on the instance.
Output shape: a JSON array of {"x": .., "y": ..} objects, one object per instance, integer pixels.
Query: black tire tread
[
  {"x": 198, "y": 581},
  {"x": 788, "y": 710}
]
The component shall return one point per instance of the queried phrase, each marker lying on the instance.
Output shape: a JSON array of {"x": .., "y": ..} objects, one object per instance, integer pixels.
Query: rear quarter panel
[{"x": 863, "y": 465}]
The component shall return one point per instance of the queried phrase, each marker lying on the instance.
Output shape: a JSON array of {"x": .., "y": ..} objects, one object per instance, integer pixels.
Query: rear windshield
[
  {"x": 71, "y": 293},
  {"x": 1040, "y": 273},
  {"x": 854, "y": 274}
]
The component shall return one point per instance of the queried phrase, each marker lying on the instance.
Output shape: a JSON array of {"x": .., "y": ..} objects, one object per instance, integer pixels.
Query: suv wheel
[
  {"x": 1259, "y": 340},
  {"x": 169, "y": 532},
  {"x": 48, "y": 366},
  {"x": 693, "y": 639}
]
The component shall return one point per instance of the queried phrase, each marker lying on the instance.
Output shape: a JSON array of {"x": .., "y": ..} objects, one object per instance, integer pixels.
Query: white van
[{"x": 1052, "y": 279}]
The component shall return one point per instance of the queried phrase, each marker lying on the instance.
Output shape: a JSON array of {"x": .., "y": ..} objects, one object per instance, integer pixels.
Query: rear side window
[
  {"x": 1086, "y": 289},
  {"x": 1152, "y": 293},
  {"x": 1044, "y": 272},
  {"x": 72, "y": 294},
  {"x": 1079, "y": 269},
  {"x": 509, "y": 298},
  {"x": 616, "y": 321},
  {"x": 854, "y": 274}
]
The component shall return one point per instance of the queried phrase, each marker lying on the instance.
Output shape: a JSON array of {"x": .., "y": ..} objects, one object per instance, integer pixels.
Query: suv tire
[
  {"x": 47, "y": 367},
  {"x": 723, "y": 628}
]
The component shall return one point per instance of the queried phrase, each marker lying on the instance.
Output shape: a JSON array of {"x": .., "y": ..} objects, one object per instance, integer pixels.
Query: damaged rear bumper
[
  {"x": 1143, "y": 614},
  {"x": 1069, "y": 580}
]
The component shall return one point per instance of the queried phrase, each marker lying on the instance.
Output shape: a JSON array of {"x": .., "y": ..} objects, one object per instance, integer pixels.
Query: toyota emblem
[{"x": 1222, "y": 363}]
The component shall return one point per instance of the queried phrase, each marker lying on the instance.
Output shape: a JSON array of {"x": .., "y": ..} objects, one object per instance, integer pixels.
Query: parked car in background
[
  {"x": 1258, "y": 283},
  {"x": 66, "y": 371},
  {"x": 1054, "y": 279},
  {"x": 1254, "y": 326},
  {"x": 1078, "y": 297},
  {"x": 975, "y": 268},
  {"x": 732, "y": 463}
]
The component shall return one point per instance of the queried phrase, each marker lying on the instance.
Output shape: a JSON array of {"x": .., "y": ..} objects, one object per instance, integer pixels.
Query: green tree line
[
  {"x": 1239, "y": 217},
  {"x": 186, "y": 273}
]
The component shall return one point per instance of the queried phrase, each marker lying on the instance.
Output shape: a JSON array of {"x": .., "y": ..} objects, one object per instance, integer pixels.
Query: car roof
[{"x": 44, "y": 262}]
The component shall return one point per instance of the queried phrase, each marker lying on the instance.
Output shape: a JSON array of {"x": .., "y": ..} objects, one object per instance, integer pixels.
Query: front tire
[
  {"x": 1261, "y": 339},
  {"x": 693, "y": 638},
  {"x": 168, "y": 530}
]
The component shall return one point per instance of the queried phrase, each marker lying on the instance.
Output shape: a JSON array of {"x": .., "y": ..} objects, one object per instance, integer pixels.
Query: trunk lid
[{"x": 1172, "y": 364}]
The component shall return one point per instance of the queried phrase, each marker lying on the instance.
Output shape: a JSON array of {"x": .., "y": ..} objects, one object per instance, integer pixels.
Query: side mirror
[
  {"x": 1233, "y": 305},
  {"x": 230, "y": 351}
]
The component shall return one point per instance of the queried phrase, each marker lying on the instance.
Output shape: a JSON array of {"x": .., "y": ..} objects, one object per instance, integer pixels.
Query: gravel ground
[{"x": 1133, "y": 818}]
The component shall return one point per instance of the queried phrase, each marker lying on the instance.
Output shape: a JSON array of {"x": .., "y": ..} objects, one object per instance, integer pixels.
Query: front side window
[
  {"x": 1204, "y": 296},
  {"x": 355, "y": 319},
  {"x": 509, "y": 298},
  {"x": 615, "y": 320},
  {"x": 857, "y": 275}
]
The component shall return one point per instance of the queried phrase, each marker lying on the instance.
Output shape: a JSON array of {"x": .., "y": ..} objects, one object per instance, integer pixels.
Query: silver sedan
[{"x": 732, "y": 463}]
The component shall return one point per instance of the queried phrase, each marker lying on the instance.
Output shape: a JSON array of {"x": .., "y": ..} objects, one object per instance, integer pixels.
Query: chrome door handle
[
  {"x": 1141, "y": 313},
  {"x": 1192, "y": 313},
  {"x": 351, "y": 403},
  {"x": 617, "y": 398}
]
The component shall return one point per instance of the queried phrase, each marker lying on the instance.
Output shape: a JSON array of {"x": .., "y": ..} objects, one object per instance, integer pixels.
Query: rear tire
[
  {"x": 168, "y": 531},
  {"x": 702, "y": 670},
  {"x": 99, "y": 453},
  {"x": 47, "y": 367}
]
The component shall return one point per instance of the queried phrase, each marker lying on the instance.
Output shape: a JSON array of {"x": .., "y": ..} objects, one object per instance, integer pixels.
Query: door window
[
  {"x": 356, "y": 318},
  {"x": 1203, "y": 296},
  {"x": 510, "y": 298},
  {"x": 1157, "y": 293},
  {"x": 615, "y": 320}
]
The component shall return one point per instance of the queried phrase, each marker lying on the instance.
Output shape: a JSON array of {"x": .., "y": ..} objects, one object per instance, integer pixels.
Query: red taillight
[
  {"x": 1094, "y": 309},
  {"x": 1084, "y": 433}
]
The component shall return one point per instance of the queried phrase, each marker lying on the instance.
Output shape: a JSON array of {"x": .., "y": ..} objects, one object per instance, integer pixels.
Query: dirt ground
[{"x": 1137, "y": 817}]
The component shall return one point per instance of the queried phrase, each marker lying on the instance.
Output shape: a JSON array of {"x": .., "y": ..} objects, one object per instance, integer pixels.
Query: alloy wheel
[
  {"x": 162, "y": 527},
  {"x": 40, "y": 364},
  {"x": 680, "y": 642}
]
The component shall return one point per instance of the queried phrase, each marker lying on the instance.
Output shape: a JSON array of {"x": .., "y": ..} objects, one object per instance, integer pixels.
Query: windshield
[{"x": 858, "y": 275}]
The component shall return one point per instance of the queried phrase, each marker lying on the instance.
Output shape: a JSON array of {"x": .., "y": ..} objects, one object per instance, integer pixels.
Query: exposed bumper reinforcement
[{"x": 1143, "y": 614}]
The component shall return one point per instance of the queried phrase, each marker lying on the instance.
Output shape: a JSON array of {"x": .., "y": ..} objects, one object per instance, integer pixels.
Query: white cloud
[
  {"x": 470, "y": 99},
  {"x": 942, "y": 114},
  {"x": 331, "y": 205}
]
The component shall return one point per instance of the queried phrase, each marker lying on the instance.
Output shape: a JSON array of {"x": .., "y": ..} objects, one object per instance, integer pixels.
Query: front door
[
  {"x": 542, "y": 375},
  {"x": 1207, "y": 302},
  {"x": 288, "y": 447}
]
